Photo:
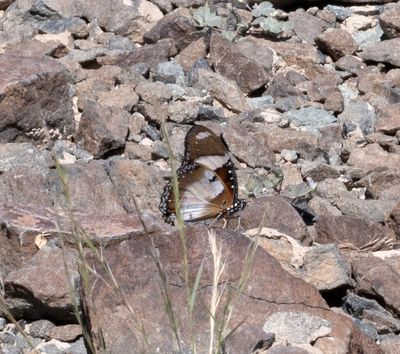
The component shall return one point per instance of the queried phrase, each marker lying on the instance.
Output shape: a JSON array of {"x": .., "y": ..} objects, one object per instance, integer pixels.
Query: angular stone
[
  {"x": 133, "y": 256},
  {"x": 390, "y": 343},
  {"x": 387, "y": 51},
  {"x": 256, "y": 153},
  {"x": 35, "y": 48},
  {"x": 152, "y": 54},
  {"x": 102, "y": 129},
  {"x": 310, "y": 118},
  {"x": 45, "y": 293},
  {"x": 393, "y": 219},
  {"x": 154, "y": 92},
  {"x": 358, "y": 113},
  {"x": 377, "y": 279},
  {"x": 388, "y": 121},
  {"x": 170, "y": 72},
  {"x": 178, "y": 25},
  {"x": 190, "y": 54},
  {"x": 336, "y": 43},
  {"x": 35, "y": 96},
  {"x": 67, "y": 333},
  {"x": 225, "y": 91},
  {"x": 346, "y": 229},
  {"x": 306, "y": 26},
  {"x": 241, "y": 62},
  {"x": 389, "y": 20},
  {"x": 123, "y": 97},
  {"x": 289, "y": 222},
  {"x": 136, "y": 179},
  {"x": 373, "y": 157},
  {"x": 382, "y": 184}
]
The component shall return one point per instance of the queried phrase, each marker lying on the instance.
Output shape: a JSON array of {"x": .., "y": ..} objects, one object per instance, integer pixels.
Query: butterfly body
[{"x": 206, "y": 179}]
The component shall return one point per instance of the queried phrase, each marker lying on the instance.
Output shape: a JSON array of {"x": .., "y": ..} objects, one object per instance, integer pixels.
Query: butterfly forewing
[{"x": 207, "y": 180}]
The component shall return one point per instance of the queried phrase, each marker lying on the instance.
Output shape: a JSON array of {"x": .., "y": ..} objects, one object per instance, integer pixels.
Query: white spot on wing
[
  {"x": 213, "y": 162},
  {"x": 203, "y": 135}
]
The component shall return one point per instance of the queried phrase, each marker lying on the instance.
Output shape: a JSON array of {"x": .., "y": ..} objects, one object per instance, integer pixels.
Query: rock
[
  {"x": 67, "y": 333},
  {"x": 135, "y": 179},
  {"x": 154, "y": 92},
  {"x": 369, "y": 209},
  {"x": 310, "y": 118},
  {"x": 302, "y": 141},
  {"x": 377, "y": 279},
  {"x": 389, "y": 343},
  {"x": 102, "y": 129},
  {"x": 381, "y": 184},
  {"x": 387, "y": 51},
  {"x": 177, "y": 25},
  {"x": 370, "y": 312},
  {"x": 133, "y": 256},
  {"x": 45, "y": 294},
  {"x": 296, "y": 328},
  {"x": 306, "y": 26},
  {"x": 152, "y": 54},
  {"x": 389, "y": 120},
  {"x": 5, "y": 3},
  {"x": 350, "y": 63},
  {"x": 274, "y": 208},
  {"x": 36, "y": 48},
  {"x": 393, "y": 219},
  {"x": 346, "y": 229},
  {"x": 290, "y": 155},
  {"x": 38, "y": 329},
  {"x": 295, "y": 53},
  {"x": 389, "y": 20},
  {"x": 170, "y": 73},
  {"x": 340, "y": 12},
  {"x": 322, "y": 266},
  {"x": 373, "y": 157},
  {"x": 358, "y": 114},
  {"x": 256, "y": 153},
  {"x": 183, "y": 111},
  {"x": 190, "y": 54},
  {"x": 241, "y": 62},
  {"x": 90, "y": 189},
  {"x": 123, "y": 97},
  {"x": 45, "y": 104},
  {"x": 223, "y": 90},
  {"x": 336, "y": 43},
  {"x": 319, "y": 171}
]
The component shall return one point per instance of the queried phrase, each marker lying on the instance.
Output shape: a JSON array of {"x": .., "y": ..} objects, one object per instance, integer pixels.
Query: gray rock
[
  {"x": 297, "y": 328},
  {"x": 367, "y": 329},
  {"x": 340, "y": 12},
  {"x": 369, "y": 37},
  {"x": 38, "y": 329},
  {"x": 183, "y": 111},
  {"x": 78, "y": 347},
  {"x": 170, "y": 73},
  {"x": 290, "y": 155},
  {"x": 260, "y": 102},
  {"x": 370, "y": 312},
  {"x": 122, "y": 96},
  {"x": 10, "y": 349},
  {"x": 154, "y": 92},
  {"x": 358, "y": 114},
  {"x": 310, "y": 118}
]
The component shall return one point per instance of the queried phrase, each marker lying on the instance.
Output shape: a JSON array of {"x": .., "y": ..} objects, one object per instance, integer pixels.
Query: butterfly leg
[{"x": 215, "y": 220}]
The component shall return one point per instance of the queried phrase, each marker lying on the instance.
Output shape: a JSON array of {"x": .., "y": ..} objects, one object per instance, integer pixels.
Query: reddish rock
[
  {"x": 337, "y": 43},
  {"x": 269, "y": 289},
  {"x": 393, "y": 220},
  {"x": 383, "y": 52},
  {"x": 188, "y": 55},
  {"x": 177, "y": 25},
  {"x": 245, "y": 63},
  {"x": 67, "y": 333},
  {"x": 278, "y": 214},
  {"x": 35, "y": 95},
  {"x": 43, "y": 287},
  {"x": 102, "y": 129},
  {"x": 378, "y": 279},
  {"x": 389, "y": 20},
  {"x": 344, "y": 229}
]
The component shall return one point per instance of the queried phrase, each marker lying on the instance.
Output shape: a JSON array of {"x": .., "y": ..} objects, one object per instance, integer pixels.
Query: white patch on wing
[
  {"x": 202, "y": 135},
  {"x": 213, "y": 162}
]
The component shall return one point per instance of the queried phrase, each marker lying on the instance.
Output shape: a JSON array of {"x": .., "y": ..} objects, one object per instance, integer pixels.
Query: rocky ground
[{"x": 307, "y": 99}]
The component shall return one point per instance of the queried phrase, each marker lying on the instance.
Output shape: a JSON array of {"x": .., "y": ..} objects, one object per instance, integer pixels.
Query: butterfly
[{"x": 206, "y": 179}]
